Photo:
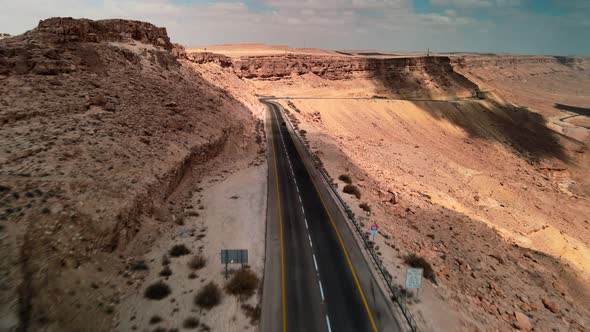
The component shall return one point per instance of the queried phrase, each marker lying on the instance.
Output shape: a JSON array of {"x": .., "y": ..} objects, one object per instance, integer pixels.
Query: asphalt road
[{"x": 316, "y": 277}]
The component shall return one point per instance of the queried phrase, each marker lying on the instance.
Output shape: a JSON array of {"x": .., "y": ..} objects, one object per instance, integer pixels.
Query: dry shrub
[
  {"x": 155, "y": 319},
  {"x": 365, "y": 207},
  {"x": 197, "y": 262},
  {"x": 345, "y": 178},
  {"x": 157, "y": 291},
  {"x": 252, "y": 312},
  {"x": 191, "y": 323},
  {"x": 179, "y": 250},
  {"x": 165, "y": 260},
  {"x": 138, "y": 266},
  {"x": 208, "y": 296},
  {"x": 243, "y": 283},
  {"x": 352, "y": 190},
  {"x": 166, "y": 271}
]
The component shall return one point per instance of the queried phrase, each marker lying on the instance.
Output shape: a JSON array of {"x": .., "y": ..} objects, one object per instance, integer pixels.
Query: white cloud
[
  {"x": 340, "y": 24},
  {"x": 468, "y": 4}
]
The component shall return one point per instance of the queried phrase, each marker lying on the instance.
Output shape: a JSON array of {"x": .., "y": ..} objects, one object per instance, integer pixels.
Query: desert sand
[{"x": 240, "y": 50}]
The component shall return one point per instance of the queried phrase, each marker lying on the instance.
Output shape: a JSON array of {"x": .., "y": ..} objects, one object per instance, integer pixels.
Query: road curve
[{"x": 316, "y": 277}]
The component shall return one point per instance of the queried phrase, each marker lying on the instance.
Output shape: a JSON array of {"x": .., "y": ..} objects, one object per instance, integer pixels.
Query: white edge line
[{"x": 316, "y": 265}]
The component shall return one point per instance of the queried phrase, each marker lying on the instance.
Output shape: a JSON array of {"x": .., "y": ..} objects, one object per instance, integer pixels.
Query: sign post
[
  {"x": 233, "y": 256},
  {"x": 374, "y": 230},
  {"x": 414, "y": 279}
]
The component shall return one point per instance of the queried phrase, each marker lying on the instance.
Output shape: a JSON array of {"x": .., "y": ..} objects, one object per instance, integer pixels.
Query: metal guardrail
[{"x": 387, "y": 277}]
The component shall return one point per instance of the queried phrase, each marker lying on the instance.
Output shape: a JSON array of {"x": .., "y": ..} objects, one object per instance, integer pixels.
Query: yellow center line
[
  {"x": 284, "y": 302},
  {"x": 358, "y": 285}
]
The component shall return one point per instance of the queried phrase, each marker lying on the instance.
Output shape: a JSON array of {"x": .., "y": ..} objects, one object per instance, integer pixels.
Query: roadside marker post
[{"x": 374, "y": 231}]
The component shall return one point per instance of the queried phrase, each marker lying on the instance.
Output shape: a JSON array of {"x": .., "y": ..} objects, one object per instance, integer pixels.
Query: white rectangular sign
[{"x": 414, "y": 278}]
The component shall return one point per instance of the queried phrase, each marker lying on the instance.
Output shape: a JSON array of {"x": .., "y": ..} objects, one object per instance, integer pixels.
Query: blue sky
[{"x": 557, "y": 27}]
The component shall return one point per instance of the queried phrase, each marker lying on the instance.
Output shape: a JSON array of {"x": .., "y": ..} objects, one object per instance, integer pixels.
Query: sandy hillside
[
  {"x": 530, "y": 208},
  {"x": 239, "y": 50},
  {"x": 104, "y": 127}
]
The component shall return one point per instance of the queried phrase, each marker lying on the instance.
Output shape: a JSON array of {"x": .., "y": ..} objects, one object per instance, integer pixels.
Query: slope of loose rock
[{"x": 100, "y": 123}]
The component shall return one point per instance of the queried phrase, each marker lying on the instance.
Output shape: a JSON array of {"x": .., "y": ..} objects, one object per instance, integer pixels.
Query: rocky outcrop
[
  {"x": 65, "y": 45},
  {"x": 208, "y": 57},
  {"x": 61, "y": 30},
  {"x": 507, "y": 61},
  {"x": 334, "y": 67},
  {"x": 409, "y": 77}
]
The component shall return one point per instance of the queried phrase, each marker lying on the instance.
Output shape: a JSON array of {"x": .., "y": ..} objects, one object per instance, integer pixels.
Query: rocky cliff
[
  {"x": 66, "y": 29},
  {"x": 65, "y": 45},
  {"x": 335, "y": 67},
  {"x": 99, "y": 122},
  {"x": 411, "y": 77},
  {"x": 512, "y": 61}
]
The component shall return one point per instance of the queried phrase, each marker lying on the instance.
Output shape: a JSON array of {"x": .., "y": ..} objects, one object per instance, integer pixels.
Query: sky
[{"x": 552, "y": 27}]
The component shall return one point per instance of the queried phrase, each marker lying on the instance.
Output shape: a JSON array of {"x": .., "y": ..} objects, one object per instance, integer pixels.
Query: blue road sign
[{"x": 234, "y": 256}]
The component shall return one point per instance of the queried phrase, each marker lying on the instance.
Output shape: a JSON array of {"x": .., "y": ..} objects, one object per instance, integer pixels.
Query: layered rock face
[
  {"x": 471, "y": 62},
  {"x": 62, "y": 30},
  {"x": 412, "y": 77},
  {"x": 336, "y": 68},
  {"x": 62, "y": 45},
  {"x": 207, "y": 57}
]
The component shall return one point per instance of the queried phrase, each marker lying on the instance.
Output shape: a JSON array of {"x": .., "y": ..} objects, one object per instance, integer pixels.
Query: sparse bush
[
  {"x": 243, "y": 283},
  {"x": 365, "y": 207},
  {"x": 416, "y": 261},
  {"x": 345, "y": 178},
  {"x": 352, "y": 190},
  {"x": 208, "y": 296},
  {"x": 197, "y": 262},
  {"x": 166, "y": 271},
  {"x": 157, "y": 291},
  {"x": 252, "y": 312},
  {"x": 138, "y": 266},
  {"x": 165, "y": 260},
  {"x": 191, "y": 323},
  {"x": 155, "y": 319},
  {"x": 179, "y": 250},
  {"x": 192, "y": 275}
]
